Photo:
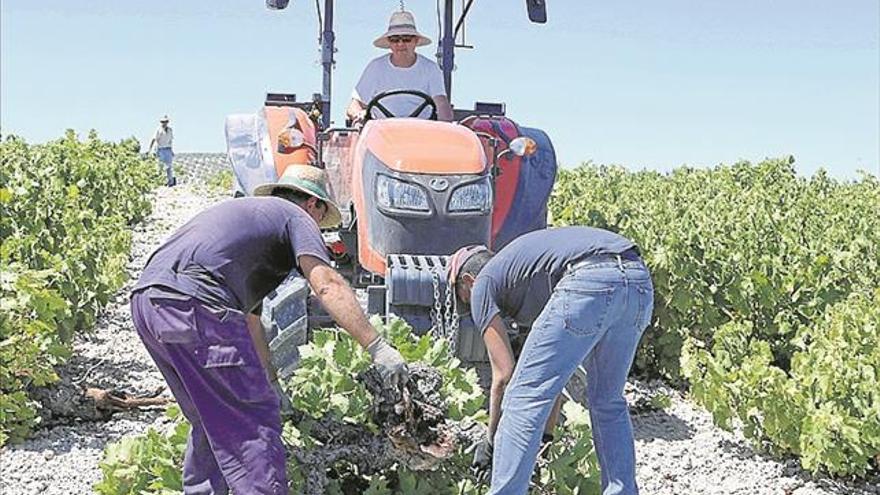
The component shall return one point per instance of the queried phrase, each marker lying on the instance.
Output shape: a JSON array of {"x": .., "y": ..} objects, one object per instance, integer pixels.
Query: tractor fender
[{"x": 537, "y": 174}]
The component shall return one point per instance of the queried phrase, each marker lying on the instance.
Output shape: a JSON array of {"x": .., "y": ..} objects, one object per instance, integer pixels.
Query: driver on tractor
[{"x": 403, "y": 69}]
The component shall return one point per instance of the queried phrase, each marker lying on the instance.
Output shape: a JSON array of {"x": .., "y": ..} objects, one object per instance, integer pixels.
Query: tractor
[{"x": 411, "y": 191}]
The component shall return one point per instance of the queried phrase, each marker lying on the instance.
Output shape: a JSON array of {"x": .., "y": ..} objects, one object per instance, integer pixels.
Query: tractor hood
[{"x": 416, "y": 146}]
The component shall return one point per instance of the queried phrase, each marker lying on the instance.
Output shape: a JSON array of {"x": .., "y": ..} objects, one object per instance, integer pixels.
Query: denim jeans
[
  {"x": 166, "y": 156},
  {"x": 595, "y": 317}
]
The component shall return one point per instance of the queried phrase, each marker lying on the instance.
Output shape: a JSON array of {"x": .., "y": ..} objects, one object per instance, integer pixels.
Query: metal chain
[
  {"x": 447, "y": 314},
  {"x": 436, "y": 311},
  {"x": 444, "y": 318},
  {"x": 402, "y": 6},
  {"x": 451, "y": 320}
]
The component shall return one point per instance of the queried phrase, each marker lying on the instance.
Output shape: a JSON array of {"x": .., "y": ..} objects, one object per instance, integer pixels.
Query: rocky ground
[
  {"x": 64, "y": 459},
  {"x": 679, "y": 450}
]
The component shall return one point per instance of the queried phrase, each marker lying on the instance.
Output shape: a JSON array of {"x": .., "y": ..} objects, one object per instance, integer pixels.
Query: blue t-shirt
[
  {"x": 517, "y": 281},
  {"x": 234, "y": 253}
]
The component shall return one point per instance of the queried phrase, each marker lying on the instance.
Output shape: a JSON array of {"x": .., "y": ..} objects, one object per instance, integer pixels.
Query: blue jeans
[
  {"x": 595, "y": 316},
  {"x": 166, "y": 156}
]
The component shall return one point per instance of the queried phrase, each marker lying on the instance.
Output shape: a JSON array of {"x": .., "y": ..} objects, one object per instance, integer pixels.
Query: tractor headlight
[
  {"x": 399, "y": 195},
  {"x": 472, "y": 197}
]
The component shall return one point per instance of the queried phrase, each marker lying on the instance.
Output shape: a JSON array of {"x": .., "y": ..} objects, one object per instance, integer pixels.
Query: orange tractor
[{"x": 412, "y": 191}]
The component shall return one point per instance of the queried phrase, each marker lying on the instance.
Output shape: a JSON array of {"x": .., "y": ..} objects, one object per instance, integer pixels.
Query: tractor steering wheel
[{"x": 376, "y": 102}]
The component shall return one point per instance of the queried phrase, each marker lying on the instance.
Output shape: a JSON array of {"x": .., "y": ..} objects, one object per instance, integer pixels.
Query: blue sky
[{"x": 645, "y": 84}]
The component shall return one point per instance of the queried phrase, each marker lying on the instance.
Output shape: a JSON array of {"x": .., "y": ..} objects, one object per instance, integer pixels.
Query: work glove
[
  {"x": 389, "y": 362},
  {"x": 482, "y": 463},
  {"x": 286, "y": 406}
]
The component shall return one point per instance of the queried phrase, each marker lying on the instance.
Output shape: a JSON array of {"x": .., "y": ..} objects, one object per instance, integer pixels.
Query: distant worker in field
[
  {"x": 404, "y": 69},
  {"x": 162, "y": 142},
  {"x": 196, "y": 308},
  {"x": 587, "y": 297}
]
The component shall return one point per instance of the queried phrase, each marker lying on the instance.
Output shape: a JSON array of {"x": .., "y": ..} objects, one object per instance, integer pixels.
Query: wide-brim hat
[
  {"x": 307, "y": 179},
  {"x": 402, "y": 23},
  {"x": 164, "y": 119}
]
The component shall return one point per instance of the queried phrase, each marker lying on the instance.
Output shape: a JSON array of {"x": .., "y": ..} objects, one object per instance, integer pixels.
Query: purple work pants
[{"x": 214, "y": 372}]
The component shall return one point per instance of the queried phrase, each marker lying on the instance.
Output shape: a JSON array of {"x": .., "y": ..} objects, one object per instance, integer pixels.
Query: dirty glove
[
  {"x": 286, "y": 406},
  {"x": 390, "y": 363},
  {"x": 482, "y": 463}
]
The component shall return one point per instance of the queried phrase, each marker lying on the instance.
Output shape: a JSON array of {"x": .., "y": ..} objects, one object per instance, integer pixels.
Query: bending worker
[
  {"x": 403, "y": 68},
  {"x": 196, "y": 310},
  {"x": 587, "y": 297}
]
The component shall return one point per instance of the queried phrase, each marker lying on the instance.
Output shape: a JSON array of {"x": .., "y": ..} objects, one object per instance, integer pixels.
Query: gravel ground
[
  {"x": 64, "y": 459},
  {"x": 679, "y": 450}
]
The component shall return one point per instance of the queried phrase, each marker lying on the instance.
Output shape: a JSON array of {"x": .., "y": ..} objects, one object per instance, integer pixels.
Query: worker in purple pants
[{"x": 196, "y": 308}]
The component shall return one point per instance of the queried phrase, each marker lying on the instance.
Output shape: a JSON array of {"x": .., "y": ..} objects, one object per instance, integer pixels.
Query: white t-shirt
[
  {"x": 163, "y": 137},
  {"x": 381, "y": 75}
]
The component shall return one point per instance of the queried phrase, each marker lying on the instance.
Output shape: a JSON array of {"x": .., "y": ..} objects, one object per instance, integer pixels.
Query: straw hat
[
  {"x": 307, "y": 179},
  {"x": 164, "y": 119},
  {"x": 402, "y": 23}
]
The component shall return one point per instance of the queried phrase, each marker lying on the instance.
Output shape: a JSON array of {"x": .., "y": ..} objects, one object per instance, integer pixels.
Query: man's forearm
[
  {"x": 445, "y": 114},
  {"x": 496, "y": 394},
  {"x": 342, "y": 305},
  {"x": 502, "y": 361},
  {"x": 444, "y": 109},
  {"x": 355, "y": 107},
  {"x": 338, "y": 299}
]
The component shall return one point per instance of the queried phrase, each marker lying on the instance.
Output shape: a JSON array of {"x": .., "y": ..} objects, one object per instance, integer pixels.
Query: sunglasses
[{"x": 400, "y": 39}]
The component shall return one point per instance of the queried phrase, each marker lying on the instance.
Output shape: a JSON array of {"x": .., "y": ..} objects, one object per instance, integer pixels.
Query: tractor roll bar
[
  {"x": 447, "y": 45},
  {"x": 328, "y": 40},
  {"x": 537, "y": 10}
]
